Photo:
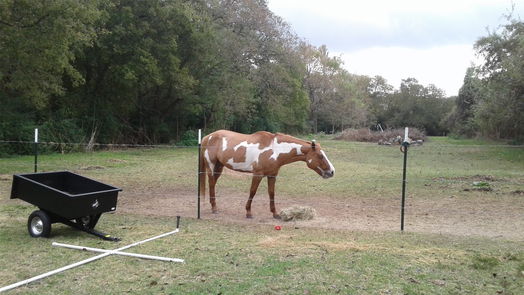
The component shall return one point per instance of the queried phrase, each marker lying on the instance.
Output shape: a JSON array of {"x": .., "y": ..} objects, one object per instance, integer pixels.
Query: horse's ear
[{"x": 313, "y": 145}]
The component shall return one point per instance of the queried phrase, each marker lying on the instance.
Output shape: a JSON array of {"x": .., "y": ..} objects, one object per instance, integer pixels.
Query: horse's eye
[{"x": 321, "y": 157}]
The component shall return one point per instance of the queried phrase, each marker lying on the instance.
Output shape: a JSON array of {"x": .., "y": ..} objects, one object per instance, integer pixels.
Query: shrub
[
  {"x": 16, "y": 132},
  {"x": 189, "y": 138},
  {"x": 63, "y": 135}
]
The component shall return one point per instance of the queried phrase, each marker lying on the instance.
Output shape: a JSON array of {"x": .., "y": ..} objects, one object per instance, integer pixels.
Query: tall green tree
[
  {"x": 264, "y": 89},
  {"x": 38, "y": 43},
  {"x": 321, "y": 70},
  {"x": 346, "y": 106},
  {"x": 499, "y": 111},
  {"x": 462, "y": 118},
  {"x": 138, "y": 80},
  {"x": 416, "y": 105},
  {"x": 380, "y": 93}
]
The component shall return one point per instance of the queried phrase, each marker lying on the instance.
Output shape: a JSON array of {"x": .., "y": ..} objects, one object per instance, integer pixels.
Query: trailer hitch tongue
[{"x": 110, "y": 238}]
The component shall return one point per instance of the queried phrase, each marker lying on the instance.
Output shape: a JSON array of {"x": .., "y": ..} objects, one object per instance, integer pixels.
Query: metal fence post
[
  {"x": 198, "y": 175},
  {"x": 404, "y": 149},
  {"x": 36, "y": 149}
]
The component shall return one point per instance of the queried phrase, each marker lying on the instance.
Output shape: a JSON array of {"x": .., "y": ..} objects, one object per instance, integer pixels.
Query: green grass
[
  {"x": 224, "y": 258},
  {"x": 462, "y": 141},
  {"x": 256, "y": 259},
  {"x": 370, "y": 169}
]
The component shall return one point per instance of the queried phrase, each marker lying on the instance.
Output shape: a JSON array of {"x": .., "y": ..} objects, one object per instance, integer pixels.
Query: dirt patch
[
  {"x": 477, "y": 177},
  {"x": 479, "y": 214},
  {"x": 6, "y": 177},
  {"x": 87, "y": 168},
  {"x": 479, "y": 189}
]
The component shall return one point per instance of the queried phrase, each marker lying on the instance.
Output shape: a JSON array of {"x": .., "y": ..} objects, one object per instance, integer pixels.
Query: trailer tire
[{"x": 39, "y": 224}]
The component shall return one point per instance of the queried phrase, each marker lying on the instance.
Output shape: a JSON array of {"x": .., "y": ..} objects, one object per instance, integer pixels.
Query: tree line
[{"x": 124, "y": 71}]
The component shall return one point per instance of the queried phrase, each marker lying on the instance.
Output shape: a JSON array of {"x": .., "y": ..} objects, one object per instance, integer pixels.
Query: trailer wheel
[
  {"x": 39, "y": 224},
  {"x": 87, "y": 222}
]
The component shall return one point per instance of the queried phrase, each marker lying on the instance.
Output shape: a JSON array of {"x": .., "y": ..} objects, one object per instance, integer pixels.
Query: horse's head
[{"x": 317, "y": 160}]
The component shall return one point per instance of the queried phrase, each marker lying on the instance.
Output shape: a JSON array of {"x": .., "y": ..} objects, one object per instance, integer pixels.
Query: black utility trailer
[{"x": 64, "y": 197}]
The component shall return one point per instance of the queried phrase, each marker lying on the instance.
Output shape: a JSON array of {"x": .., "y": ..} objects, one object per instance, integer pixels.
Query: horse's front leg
[
  {"x": 255, "y": 181},
  {"x": 271, "y": 180}
]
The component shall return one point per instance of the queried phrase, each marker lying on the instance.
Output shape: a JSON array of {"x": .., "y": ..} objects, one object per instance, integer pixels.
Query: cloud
[
  {"x": 353, "y": 25},
  {"x": 430, "y": 40}
]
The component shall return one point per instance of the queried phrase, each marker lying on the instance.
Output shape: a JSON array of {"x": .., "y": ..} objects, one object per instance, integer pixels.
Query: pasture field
[{"x": 460, "y": 238}]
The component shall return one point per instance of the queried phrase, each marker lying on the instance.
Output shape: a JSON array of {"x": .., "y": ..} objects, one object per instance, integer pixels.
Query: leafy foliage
[
  {"x": 491, "y": 101},
  {"x": 414, "y": 105},
  {"x": 38, "y": 41},
  {"x": 118, "y": 71}
]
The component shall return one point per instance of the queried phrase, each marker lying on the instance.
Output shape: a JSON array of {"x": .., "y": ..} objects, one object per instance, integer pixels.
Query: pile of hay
[{"x": 298, "y": 213}]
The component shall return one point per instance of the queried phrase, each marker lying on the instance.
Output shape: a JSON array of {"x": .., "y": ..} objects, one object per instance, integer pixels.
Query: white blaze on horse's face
[
  {"x": 331, "y": 171},
  {"x": 317, "y": 160}
]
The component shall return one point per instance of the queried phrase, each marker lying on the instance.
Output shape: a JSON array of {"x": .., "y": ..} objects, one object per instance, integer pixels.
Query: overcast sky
[{"x": 430, "y": 40}]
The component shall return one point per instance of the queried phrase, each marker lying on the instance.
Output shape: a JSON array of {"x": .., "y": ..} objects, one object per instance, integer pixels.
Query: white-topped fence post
[
  {"x": 198, "y": 174},
  {"x": 404, "y": 149},
  {"x": 36, "y": 149}
]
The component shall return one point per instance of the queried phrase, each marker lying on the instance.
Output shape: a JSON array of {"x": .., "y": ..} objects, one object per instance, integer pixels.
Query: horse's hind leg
[
  {"x": 213, "y": 178},
  {"x": 271, "y": 180},
  {"x": 255, "y": 181}
]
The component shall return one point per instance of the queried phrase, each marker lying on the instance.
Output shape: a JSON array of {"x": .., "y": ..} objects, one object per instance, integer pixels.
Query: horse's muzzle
[{"x": 328, "y": 174}]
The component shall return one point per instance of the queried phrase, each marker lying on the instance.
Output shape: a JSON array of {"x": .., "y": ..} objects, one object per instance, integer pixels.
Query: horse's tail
[{"x": 202, "y": 174}]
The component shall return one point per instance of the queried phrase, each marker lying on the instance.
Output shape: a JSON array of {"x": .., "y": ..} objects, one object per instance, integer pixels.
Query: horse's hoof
[
  {"x": 249, "y": 216},
  {"x": 276, "y": 216},
  {"x": 214, "y": 211}
]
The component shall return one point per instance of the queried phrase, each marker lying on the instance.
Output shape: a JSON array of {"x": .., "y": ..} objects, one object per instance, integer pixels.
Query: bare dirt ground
[
  {"x": 483, "y": 214},
  {"x": 486, "y": 215}
]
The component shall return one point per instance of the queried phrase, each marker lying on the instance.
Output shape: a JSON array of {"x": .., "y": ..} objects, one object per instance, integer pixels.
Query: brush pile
[{"x": 388, "y": 137}]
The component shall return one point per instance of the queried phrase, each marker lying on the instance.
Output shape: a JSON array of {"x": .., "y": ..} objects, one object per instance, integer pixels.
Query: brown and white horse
[{"x": 262, "y": 154}]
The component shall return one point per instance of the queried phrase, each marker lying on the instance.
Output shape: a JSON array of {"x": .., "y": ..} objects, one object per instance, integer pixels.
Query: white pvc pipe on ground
[
  {"x": 152, "y": 257},
  {"x": 47, "y": 274},
  {"x": 70, "y": 266}
]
